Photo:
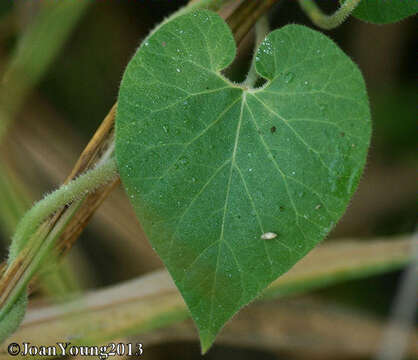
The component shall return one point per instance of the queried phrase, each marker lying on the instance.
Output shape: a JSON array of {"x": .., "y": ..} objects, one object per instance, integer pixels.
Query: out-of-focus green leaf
[
  {"x": 34, "y": 53},
  {"x": 385, "y": 11}
]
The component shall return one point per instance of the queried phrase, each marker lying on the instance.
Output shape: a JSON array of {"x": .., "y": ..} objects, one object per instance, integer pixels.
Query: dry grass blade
[
  {"x": 305, "y": 328},
  {"x": 51, "y": 27},
  {"x": 152, "y": 301}
]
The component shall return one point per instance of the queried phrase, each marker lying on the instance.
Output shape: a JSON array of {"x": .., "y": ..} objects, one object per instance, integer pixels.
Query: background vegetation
[{"x": 60, "y": 67}]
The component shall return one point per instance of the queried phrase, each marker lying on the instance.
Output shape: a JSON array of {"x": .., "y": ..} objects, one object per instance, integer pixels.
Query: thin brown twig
[{"x": 246, "y": 15}]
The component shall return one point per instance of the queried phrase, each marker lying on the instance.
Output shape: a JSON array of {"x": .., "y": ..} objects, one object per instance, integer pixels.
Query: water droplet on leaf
[
  {"x": 322, "y": 108},
  {"x": 288, "y": 78},
  {"x": 183, "y": 160}
]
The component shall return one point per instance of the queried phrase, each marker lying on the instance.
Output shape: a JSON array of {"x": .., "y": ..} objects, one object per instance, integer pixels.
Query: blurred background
[{"x": 61, "y": 63}]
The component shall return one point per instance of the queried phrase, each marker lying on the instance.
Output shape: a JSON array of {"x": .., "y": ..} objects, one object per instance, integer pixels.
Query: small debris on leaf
[{"x": 268, "y": 236}]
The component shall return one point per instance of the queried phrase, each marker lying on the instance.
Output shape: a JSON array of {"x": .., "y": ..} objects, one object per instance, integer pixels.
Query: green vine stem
[
  {"x": 13, "y": 303},
  {"x": 262, "y": 28},
  {"x": 324, "y": 21},
  {"x": 76, "y": 188}
]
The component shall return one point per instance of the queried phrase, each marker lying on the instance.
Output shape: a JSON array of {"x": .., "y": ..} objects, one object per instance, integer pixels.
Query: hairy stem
[
  {"x": 25, "y": 260},
  {"x": 262, "y": 28},
  {"x": 325, "y": 21},
  {"x": 64, "y": 195}
]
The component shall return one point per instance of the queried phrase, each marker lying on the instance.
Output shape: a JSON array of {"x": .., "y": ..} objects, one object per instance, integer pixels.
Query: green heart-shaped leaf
[
  {"x": 385, "y": 11},
  {"x": 211, "y": 166}
]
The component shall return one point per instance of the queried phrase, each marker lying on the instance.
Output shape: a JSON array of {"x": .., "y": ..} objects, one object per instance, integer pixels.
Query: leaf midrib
[{"x": 233, "y": 157}]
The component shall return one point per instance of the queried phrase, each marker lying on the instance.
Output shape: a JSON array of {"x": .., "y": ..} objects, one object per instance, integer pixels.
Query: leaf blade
[{"x": 197, "y": 155}]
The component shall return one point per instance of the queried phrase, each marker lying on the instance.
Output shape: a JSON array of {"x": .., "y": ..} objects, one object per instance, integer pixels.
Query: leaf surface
[
  {"x": 211, "y": 166},
  {"x": 385, "y": 11}
]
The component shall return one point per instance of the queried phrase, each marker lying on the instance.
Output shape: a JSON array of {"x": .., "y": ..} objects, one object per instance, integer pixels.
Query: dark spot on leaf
[
  {"x": 163, "y": 43},
  {"x": 273, "y": 129},
  {"x": 342, "y": 134},
  {"x": 281, "y": 208}
]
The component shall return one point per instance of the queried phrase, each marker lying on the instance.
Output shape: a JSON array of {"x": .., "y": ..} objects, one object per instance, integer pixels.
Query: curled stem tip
[{"x": 325, "y": 21}]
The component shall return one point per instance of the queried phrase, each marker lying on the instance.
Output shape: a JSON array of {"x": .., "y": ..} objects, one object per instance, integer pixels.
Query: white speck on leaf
[{"x": 268, "y": 236}]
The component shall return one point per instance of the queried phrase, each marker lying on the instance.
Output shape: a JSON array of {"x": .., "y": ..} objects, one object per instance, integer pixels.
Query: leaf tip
[{"x": 206, "y": 342}]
